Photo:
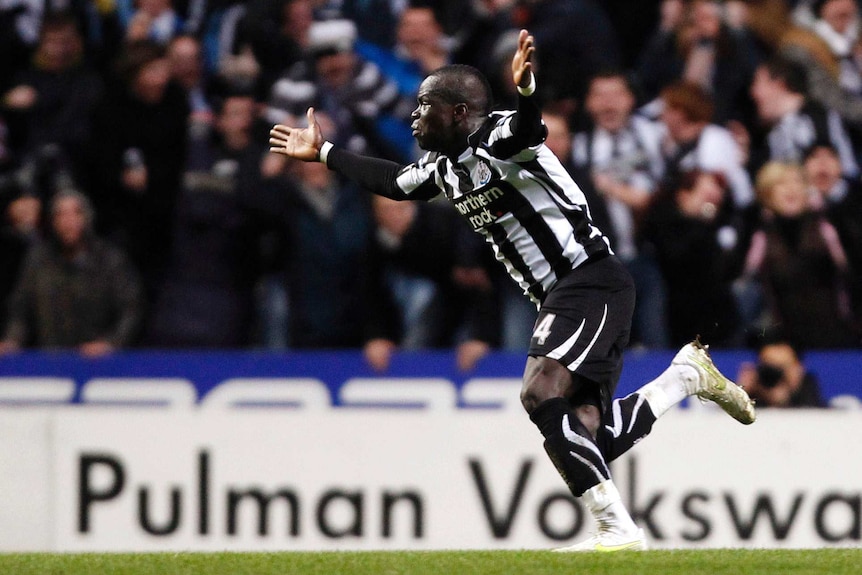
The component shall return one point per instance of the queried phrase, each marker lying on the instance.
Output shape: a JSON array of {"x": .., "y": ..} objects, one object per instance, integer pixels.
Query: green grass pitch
[{"x": 714, "y": 561}]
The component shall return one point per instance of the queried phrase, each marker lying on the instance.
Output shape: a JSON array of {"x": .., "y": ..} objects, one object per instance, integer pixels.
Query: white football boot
[
  {"x": 713, "y": 386},
  {"x": 608, "y": 542}
]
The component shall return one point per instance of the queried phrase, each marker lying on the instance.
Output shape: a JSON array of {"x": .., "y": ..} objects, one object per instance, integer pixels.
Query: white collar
[{"x": 840, "y": 44}]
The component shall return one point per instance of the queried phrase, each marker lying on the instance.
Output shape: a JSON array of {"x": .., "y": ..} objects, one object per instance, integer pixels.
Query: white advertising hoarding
[{"x": 96, "y": 479}]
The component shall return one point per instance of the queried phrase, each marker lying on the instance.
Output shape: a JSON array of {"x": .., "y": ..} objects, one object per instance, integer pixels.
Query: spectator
[
  {"x": 567, "y": 58},
  {"x": 837, "y": 23},
  {"x": 185, "y": 56},
  {"x": 19, "y": 229},
  {"x": 690, "y": 141},
  {"x": 505, "y": 96},
  {"x": 479, "y": 33},
  {"x": 187, "y": 70},
  {"x": 325, "y": 228},
  {"x": 274, "y": 34},
  {"x": 366, "y": 107},
  {"x": 53, "y": 101},
  {"x": 421, "y": 39},
  {"x": 695, "y": 239},
  {"x": 207, "y": 297},
  {"x": 141, "y": 140},
  {"x": 155, "y": 20},
  {"x": 420, "y": 48},
  {"x": 327, "y": 249},
  {"x": 793, "y": 120},
  {"x": 635, "y": 21},
  {"x": 797, "y": 258},
  {"x": 620, "y": 155},
  {"x": 841, "y": 200},
  {"x": 697, "y": 46},
  {"x": 21, "y": 23},
  {"x": 770, "y": 23},
  {"x": 376, "y": 20},
  {"x": 430, "y": 289},
  {"x": 780, "y": 378},
  {"x": 75, "y": 291},
  {"x": 217, "y": 27}
]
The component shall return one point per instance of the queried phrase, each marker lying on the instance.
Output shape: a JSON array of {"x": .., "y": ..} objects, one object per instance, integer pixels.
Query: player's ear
[{"x": 460, "y": 111}]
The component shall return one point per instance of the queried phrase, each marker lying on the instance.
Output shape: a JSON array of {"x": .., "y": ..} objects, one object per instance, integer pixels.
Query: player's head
[
  {"x": 462, "y": 83},
  {"x": 453, "y": 102}
]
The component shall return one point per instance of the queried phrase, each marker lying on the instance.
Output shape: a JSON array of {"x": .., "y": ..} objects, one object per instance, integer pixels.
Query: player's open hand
[
  {"x": 300, "y": 143},
  {"x": 522, "y": 63}
]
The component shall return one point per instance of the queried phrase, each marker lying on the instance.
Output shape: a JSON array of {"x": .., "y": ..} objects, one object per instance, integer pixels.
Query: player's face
[{"x": 432, "y": 118}]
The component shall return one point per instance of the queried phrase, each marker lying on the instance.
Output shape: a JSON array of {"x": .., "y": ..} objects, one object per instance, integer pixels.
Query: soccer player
[{"x": 501, "y": 177}]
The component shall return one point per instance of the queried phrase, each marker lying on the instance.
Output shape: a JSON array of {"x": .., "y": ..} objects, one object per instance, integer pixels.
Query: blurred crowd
[{"x": 718, "y": 143}]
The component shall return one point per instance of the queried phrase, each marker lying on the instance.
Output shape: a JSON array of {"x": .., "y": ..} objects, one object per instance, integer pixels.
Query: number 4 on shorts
[{"x": 543, "y": 328}]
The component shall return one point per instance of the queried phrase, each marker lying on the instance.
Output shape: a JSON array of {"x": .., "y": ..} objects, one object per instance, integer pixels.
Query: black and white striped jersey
[{"x": 511, "y": 189}]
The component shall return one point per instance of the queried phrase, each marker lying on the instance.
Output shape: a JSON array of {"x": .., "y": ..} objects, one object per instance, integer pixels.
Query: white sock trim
[
  {"x": 600, "y": 496},
  {"x": 674, "y": 384},
  {"x": 606, "y": 506}
]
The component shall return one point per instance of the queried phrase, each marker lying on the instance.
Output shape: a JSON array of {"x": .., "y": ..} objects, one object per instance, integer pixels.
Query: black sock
[
  {"x": 631, "y": 420},
  {"x": 570, "y": 446}
]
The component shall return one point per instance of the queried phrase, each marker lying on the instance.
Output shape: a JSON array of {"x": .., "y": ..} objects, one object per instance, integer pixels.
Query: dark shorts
[{"x": 584, "y": 323}]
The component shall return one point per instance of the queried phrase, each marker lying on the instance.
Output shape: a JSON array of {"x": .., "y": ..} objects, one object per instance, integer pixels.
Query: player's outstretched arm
[
  {"x": 522, "y": 62},
  {"x": 300, "y": 143},
  {"x": 527, "y": 127}
]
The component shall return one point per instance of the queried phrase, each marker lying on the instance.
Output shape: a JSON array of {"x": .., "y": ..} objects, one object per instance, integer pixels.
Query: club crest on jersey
[{"x": 484, "y": 173}]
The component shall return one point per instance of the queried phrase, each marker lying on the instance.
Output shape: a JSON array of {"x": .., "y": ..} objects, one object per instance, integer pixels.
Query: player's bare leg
[
  {"x": 568, "y": 430},
  {"x": 570, "y": 440}
]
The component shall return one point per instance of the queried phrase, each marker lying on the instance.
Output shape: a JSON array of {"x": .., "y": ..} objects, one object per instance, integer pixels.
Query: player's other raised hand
[
  {"x": 300, "y": 143},
  {"x": 522, "y": 65}
]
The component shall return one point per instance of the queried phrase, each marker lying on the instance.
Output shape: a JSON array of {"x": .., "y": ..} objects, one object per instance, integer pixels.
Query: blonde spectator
[{"x": 799, "y": 262}]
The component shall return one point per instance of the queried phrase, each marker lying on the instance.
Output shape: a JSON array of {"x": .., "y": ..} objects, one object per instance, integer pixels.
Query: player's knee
[
  {"x": 529, "y": 400},
  {"x": 544, "y": 379}
]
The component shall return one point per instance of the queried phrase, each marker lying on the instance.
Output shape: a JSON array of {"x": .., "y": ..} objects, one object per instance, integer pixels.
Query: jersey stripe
[
  {"x": 507, "y": 249},
  {"x": 524, "y": 202}
]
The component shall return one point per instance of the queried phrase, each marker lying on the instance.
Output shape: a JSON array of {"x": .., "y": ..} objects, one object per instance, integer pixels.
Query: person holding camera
[{"x": 779, "y": 379}]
